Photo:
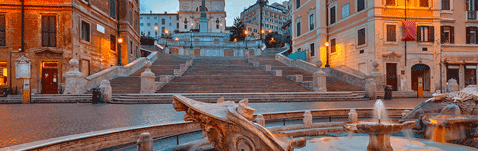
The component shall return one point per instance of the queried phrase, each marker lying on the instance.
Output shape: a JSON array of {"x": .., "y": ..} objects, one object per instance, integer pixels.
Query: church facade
[{"x": 190, "y": 13}]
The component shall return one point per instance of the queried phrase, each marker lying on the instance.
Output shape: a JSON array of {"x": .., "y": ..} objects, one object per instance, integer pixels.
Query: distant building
[
  {"x": 274, "y": 17},
  {"x": 154, "y": 25},
  {"x": 57, "y": 31},
  {"x": 190, "y": 13}
]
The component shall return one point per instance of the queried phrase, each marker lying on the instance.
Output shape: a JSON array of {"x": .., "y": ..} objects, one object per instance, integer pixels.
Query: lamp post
[
  {"x": 156, "y": 32},
  {"x": 120, "y": 62},
  {"x": 327, "y": 49},
  {"x": 191, "y": 39},
  {"x": 246, "y": 32},
  {"x": 166, "y": 33},
  {"x": 261, "y": 5}
]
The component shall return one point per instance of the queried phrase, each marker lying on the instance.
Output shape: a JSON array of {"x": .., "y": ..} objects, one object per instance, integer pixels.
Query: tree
[
  {"x": 274, "y": 40},
  {"x": 237, "y": 31}
]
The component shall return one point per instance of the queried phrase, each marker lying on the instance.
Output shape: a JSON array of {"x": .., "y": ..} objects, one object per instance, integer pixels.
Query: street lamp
[
  {"x": 327, "y": 49},
  {"x": 156, "y": 31},
  {"x": 166, "y": 33},
  {"x": 120, "y": 40},
  {"x": 246, "y": 32}
]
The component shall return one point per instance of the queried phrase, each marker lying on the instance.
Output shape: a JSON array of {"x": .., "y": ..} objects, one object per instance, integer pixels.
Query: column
[{"x": 461, "y": 74}]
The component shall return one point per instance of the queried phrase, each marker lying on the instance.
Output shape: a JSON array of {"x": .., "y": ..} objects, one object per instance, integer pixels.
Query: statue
[{"x": 203, "y": 20}]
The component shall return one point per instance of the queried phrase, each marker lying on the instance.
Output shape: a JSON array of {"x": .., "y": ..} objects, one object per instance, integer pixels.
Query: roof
[{"x": 156, "y": 14}]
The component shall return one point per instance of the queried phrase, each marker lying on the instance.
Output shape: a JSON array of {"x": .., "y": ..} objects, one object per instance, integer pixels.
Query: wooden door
[
  {"x": 49, "y": 80},
  {"x": 392, "y": 78}
]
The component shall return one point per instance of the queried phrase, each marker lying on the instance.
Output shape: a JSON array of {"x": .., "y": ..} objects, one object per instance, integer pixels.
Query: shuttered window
[
  {"x": 360, "y": 5},
  {"x": 471, "y": 35},
  {"x": 2, "y": 31},
  {"x": 391, "y": 33},
  {"x": 113, "y": 8},
  {"x": 425, "y": 33},
  {"x": 332, "y": 15},
  {"x": 48, "y": 31},
  {"x": 447, "y": 34},
  {"x": 445, "y": 4},
  {"x": 85, "y": 31},
  {"x": 361, "y": 36}
]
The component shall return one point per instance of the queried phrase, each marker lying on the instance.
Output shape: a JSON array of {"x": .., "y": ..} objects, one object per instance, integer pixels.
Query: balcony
[{"x": 471, "y": 15}]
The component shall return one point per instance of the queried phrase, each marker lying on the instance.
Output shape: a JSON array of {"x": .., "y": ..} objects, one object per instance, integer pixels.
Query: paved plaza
[{"x": 23, "y": 123}]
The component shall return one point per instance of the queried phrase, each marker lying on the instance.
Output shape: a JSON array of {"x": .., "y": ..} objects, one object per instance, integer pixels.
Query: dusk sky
[{"x": 233, "y": 7}]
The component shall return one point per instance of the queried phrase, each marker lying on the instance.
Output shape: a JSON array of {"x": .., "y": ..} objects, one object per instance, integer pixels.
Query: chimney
[
  {"x": 150, "y": 11},
  {"x": 165, "y": 12}
]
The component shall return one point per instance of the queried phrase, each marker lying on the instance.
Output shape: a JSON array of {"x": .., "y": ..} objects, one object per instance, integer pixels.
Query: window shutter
[
  {"x": 442, "y": 37},
  {"x": 44, "y": 32},
  {"x": 468, "y": 35},
  {"x": 467, "y": 5},
  {"x": 452, "y": 34},
  {"x": 419, "y": 33},
  {"x": 476, "y": 5},
  {"x": 476, "y": 34},
  {"x": 431, "y": 34},
  {"x": 52, "y": 31},
  {"x": 2, "y": 30}
]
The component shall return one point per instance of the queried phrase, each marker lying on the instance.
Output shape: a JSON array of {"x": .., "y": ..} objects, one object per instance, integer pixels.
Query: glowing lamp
[
  {"x": 156, "y": 28},
  {"x": 120, "y": 40},
  {"x": 326, "y": 44},
  {"x": 166, "y": 31},
  {"x": 246, "y": 32},
  {"x": 262, "y": 31}
]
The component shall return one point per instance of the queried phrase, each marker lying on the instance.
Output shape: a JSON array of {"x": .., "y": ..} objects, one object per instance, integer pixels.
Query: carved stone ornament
[
  {"x": 23, "y": 67},
  {"x": 228, "y": 126}
]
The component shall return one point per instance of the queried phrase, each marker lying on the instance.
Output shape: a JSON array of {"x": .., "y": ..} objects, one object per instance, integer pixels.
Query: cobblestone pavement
[{"x": 23, "y": 123}]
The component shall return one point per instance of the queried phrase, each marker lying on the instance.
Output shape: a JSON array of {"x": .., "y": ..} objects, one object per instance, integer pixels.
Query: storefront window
[
  {"x": 4, "y": 75},
  {"x": 470, "y": 75}
]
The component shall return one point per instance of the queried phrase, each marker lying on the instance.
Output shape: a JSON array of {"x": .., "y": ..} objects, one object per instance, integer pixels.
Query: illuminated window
[
  {"x": 4, "y": 75},
  {"x": 332, "y": 46}
]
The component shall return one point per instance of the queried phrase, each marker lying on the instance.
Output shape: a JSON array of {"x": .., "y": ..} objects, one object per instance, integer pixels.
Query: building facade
[
  {"x": 57, "y": 31},
  {"x": 273, "y": 18},
  {"x": 155, "y": 25},
  {"x": 428, "y": 40},
  {"x": 190, "y": 13}
]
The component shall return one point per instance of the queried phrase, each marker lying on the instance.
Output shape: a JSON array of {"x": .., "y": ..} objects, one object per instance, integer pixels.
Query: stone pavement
[{"x": 23, "y": 123}]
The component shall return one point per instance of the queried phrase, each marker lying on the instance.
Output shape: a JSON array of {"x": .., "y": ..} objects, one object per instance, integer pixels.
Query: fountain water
[{"x": 380, "y": 113}]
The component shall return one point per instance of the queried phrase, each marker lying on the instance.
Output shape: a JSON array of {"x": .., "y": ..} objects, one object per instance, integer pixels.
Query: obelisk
[{"x": 203, "y": 19}]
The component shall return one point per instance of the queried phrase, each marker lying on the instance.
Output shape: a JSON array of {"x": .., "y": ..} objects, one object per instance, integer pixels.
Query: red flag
[{"x": 409, "y": 31}]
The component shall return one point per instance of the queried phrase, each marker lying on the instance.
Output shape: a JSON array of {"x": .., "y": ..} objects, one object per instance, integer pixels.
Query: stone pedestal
[
  {"x": 377, "y": 76},
  {"x": 148, "y": 85},
  {"x": 145, "y": 142},
  {"x": 452, "y": 86},
  {"x": 260, "y": 120},
  {"x": 307, "y": 118},
  {"x": 320, "y": 79},
  {"x": 268, "y": 67},
  {"x": 106, "y": 91},
  {"x": 353, "y": 116},
  {"x": 75, "y": 82},
  {"x": 370, "y": 89}
]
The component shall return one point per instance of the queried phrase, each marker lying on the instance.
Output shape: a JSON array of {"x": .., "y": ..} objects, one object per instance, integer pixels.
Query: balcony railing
[{"x": 471, "y": 15}]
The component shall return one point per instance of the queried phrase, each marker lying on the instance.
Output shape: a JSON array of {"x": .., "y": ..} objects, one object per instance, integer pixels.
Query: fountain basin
[
  {"x": 359, "y": 143},
  {"x": 373, "y": 127},
  {"x": 444, "y": 128},
  {"x": 379, "y": 132}
]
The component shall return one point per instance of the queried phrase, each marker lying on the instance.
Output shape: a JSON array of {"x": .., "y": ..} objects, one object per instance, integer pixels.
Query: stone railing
[
  {"x": 222, "y": 44},
  {"x": 94, "y": 80},
  {"x": 347, "y": 77},
  {"x": 343, "y": 75},
  {"x": 128, "y": 136}
]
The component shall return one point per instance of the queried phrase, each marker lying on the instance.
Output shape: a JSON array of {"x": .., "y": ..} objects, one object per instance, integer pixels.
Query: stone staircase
[
  {"x": 166, "y": 98},
  {"x": 164, "y": 65},
  {"x": 333, "y": 84},
  {"x": 228, "y": 75}
]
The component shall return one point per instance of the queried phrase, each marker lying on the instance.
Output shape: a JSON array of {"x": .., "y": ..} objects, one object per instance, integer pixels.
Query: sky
[{"x": 233, "y": 7}]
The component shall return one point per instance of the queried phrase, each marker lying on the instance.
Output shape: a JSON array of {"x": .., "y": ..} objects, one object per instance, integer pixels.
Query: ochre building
[
  {"x": 433, "y": 40},
  {"x": 59, "y": 30}
]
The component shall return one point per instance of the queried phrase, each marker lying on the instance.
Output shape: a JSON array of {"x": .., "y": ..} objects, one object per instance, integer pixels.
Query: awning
[{"x": 409, "y": 31}]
